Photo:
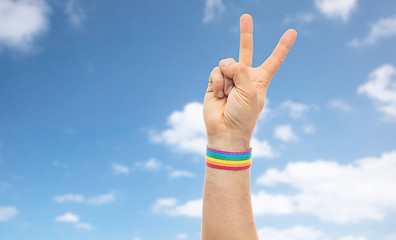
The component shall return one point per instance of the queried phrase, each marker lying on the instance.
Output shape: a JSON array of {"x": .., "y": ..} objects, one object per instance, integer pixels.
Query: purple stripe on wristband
[{"x": 230, "y": 153}]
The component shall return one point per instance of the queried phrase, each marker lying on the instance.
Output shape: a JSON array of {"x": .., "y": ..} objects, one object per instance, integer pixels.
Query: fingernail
[
  {"x": 225, "y": 62},
  {"x": 229, "y": 89},
  {"x": 220, "y": 94}
]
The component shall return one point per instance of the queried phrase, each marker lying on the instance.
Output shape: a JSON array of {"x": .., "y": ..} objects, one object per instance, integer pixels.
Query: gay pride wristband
[{"x": 228, "y": 160}]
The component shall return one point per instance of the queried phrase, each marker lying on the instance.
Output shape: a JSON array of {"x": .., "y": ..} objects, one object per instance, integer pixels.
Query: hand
[{"x": 236, "y": 91}]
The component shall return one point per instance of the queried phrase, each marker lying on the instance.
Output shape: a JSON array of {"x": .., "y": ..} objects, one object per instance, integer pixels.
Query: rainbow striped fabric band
[{"x": 228, "y": 160}]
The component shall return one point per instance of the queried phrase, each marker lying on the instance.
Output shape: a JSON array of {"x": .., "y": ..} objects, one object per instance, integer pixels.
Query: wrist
[{"x": 230, "y": 142}]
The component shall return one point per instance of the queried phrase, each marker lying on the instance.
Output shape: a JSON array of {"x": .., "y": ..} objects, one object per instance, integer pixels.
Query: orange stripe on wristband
[{"x": 228, "y": 160}]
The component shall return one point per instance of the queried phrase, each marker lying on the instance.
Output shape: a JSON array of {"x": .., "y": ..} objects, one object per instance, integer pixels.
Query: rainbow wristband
[{"x": 228, "y": 160}]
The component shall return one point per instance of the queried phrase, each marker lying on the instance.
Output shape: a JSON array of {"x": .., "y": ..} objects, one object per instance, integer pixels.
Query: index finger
[{"x": 246, "y": 42}]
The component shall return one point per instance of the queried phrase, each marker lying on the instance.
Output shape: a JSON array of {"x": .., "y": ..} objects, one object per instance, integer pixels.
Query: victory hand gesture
[{"x": 236, "y": 91}]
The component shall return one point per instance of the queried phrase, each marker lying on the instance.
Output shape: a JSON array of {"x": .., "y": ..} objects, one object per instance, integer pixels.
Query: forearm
[
  {"x": 227, "y": 209},
  {"x": 230, "y": 118}
]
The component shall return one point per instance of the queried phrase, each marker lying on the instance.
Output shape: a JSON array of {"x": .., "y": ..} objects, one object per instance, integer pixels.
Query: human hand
[{"x": 236, "y": 92}]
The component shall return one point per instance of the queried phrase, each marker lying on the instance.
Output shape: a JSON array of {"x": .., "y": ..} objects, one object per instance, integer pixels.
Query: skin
[{"x": 233, "y": 102}]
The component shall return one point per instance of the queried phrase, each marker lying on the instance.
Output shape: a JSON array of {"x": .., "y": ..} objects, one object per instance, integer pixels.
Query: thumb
[{"x": 238, "y": 72}]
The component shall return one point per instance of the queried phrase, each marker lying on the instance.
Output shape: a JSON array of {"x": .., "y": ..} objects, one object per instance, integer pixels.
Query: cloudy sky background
[{"x": 101, "y": 130}]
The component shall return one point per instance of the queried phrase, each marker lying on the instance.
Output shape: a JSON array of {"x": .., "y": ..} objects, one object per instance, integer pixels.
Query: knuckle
[
  {"x": 240, "y": 67},
  {"x": 213, "y": 74},
  {"x": 214, "y": 71}
]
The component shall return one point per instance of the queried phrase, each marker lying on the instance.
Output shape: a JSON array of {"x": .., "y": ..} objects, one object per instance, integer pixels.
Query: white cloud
[
  {"x": 75, "y": 12},
  {"x": 298, "y": 233},
  {"x": 101, "y": 199},
  {"x": 7, "y": 213},
  {"x": 213, "y": 9},
  {"x": 390, "y": 236},
  {"x": 170, "y": 206},
  {"x": 264, "y": 203},
  {"x": 338, "y": 193},
  {"x": 73, "y": 218},
  {"x": 68, "y": 217},
  {"x": 336, "y": 9},
  {"x": 119, "y": 169},
  {"x": 300, "y": 18},
  {"x": 86, "y": 226},
  {"x": 137, "y": 238},
  {"x": 309, "y": 129},
  {"x": 296, "y": 110},
  {"x": 180, "y": 173},
  {"x": 187, "y": 133},
  {"x": 164, "y": 203},
  {"x": 293, "y": 233},
  {"x": 78, "y": 198},
  {"x": 262, "y": 149},
  {"x": 285, "y": 133},
  {"x": 59, "y": 164},
  {"x": 381, "y": 87},
  {"x": 22, "y": 21},
  {"x": 187, "y": 130},
  {"x": 181, "y": 236},
  {"x": 383, "y": 28},
  {"x": 69, "y": 198},
  {"x": 339, "y": 104},
  {"x": 351, "y": 238},
  {"x": 151, "y": 165}
]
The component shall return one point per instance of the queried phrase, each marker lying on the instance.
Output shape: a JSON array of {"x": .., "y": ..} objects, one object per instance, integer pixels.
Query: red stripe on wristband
[
  {"x": 228, "y": 160},
  {"x": 227, "y": 168}
]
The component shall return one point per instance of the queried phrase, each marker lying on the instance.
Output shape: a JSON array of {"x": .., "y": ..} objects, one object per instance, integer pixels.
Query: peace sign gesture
[{"x": 236, "y": 91}]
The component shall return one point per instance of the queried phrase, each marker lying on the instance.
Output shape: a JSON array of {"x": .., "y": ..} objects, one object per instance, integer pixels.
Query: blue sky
[{"x": 101, "y": 130}]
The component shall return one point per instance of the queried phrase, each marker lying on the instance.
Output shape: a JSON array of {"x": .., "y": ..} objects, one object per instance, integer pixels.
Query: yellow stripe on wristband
[{"x": 228, "y": 163}]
